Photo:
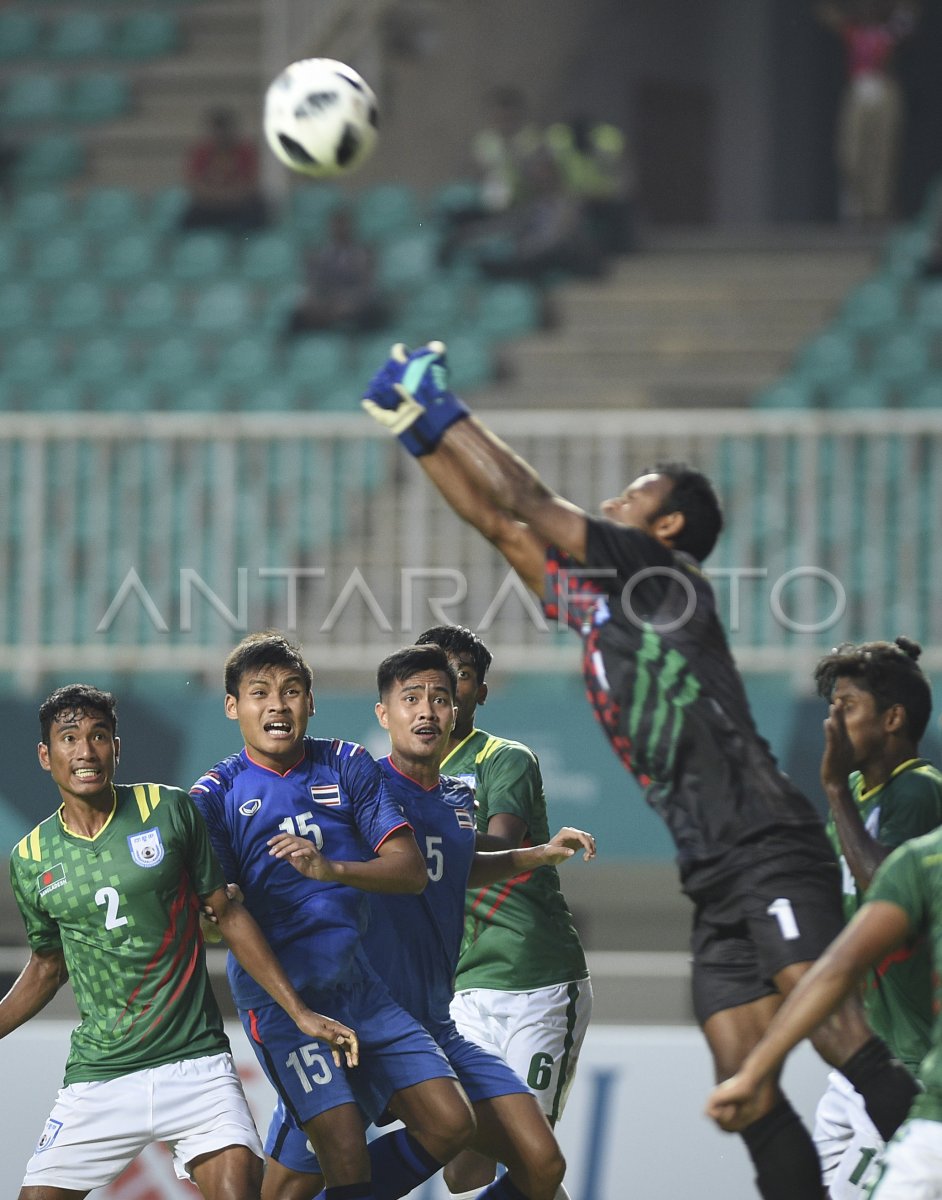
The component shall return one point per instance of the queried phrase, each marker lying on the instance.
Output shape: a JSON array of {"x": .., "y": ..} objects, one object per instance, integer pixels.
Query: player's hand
[
  {"x": 303, "y": 855},
  {"x": 734, "y": 1103},
  {"x": 343, "y": 1042},
  {"x": 409, "y": 396},
  {"x": 838, "y": 759},
  {"x": 209, "y": 922},
  {"x": 574, "y": 840}
]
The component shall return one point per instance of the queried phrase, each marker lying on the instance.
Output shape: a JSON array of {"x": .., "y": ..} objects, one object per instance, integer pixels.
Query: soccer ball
[{"x": 320, "y": 117}]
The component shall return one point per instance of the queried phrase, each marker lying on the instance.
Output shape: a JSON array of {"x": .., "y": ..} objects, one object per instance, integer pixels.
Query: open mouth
[
  {"x": 87, "y": 774},
  {"x": 278, "y": 729},
  {"x": 427, "y": 733}
]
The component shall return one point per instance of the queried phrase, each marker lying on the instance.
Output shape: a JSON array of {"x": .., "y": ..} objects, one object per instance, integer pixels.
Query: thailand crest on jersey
[
  {"x": 326, "y": 793},
  {"x": 464, "y": 818},
  {"x": 147, "y": 849}
]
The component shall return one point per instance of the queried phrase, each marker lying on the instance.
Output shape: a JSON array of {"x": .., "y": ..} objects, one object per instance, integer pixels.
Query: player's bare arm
[
  {"x": 505, "y": 831},
  {"x": 249, "y": 945},
  {"x": 862, "y": 851},
  {"x": 397, "y": 868},
  {"x": 35, "y": 986},
  {"x": 492, "y": 866},
  {"x": 877, "y": 929}
]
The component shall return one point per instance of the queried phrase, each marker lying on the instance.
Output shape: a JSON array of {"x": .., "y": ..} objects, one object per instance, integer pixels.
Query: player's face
[
  {"x": 640, "y": 503},
  {"x": 866, "y": 726},
  {"x": 419, "y": 714},
  {"x": 81, "y": 755},
  {"x": 273, "y": 708},
  {"x": 469, "y": 693}
]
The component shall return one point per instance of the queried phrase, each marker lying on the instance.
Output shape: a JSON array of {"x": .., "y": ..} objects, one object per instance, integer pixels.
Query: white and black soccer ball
[{"x": 321, "y": 117}]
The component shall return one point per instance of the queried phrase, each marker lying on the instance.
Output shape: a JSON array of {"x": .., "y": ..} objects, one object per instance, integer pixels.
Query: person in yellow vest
[{"x": 596, "y": 164}]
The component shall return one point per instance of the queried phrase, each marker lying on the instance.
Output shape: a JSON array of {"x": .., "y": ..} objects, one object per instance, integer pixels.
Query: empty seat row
[
  {"x": 85, "y": 98},
  {"x": 86, "y": 34}
]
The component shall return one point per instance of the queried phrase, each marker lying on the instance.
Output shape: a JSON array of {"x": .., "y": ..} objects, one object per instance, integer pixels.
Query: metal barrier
[{"x": 152, "y": 543}]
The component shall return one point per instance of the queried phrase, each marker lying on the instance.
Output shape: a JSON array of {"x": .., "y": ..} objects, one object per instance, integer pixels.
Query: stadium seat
[
  {"x": 144, "y": 35},
  {"x": 927, "y": 308},
  {"x": 872, "y": 306},
  {"x": 507, "y": 309},
  {"x": 61, "y": 395},
  {"x": 9, "y": 252},
  {"x": 827, "y": 362},
  {"x": 98, "y": 96},
  {"x": 859, "y": 393},
  {"x": 19, "y": 34},
  {"x": 47, "y": 160},
  {"x": 81, "y": 305},
  {"x": 245, "y": 365},
  {"x": 32, "y": 98},
  {"x": 127, "y": 259},
  {"x": 41, "y": 213},
  {"x": 79, "y": 34},
  {"x": 30, "y": 361},
  {"x": 385, "y": 210},
  {"x": 18, "y": 306},
  {"x": 906, "y": 251},
  {"x": 173, "y": 363},
  {"x": 199, "y": 257},
  {"x": 786, "y": 393},
  {"x": 152, "y": 307},
  {"x": 318, "y": 361},
  {"x": 136, "y": 395},
  {"x": 435, "y": 310},
  {"x": 461, "y": 195},
  {"x": 927, "y": 394},
  {"x": 109, "y": 212},
  {"x": 310, "y": 206},
  {"x": 101, "y": 363},
  {"x": 270, "y": 258},
  {"x": 60, "y": 257},
  {"x": 166, "y": 208},
  {"x": 470, "y": 361},
  {"x": 901, "y": 359},
  {"x": 204, "y": 396},
  {"x": 223, "y": 309},
  {"x": 409, "y": 261}
]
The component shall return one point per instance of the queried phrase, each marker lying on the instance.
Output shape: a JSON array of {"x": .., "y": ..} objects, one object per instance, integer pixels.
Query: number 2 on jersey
[{"x": 110, "y": 898}]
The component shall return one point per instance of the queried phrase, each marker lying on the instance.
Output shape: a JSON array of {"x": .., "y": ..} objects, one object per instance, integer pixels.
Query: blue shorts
[
  {"x": 395, "y": 1051},
  {"x": 482, "y": 1075}
]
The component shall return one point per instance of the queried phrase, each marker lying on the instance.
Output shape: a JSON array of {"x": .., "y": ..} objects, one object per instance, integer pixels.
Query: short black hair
[
  {"x": 262, "y": 650},
  {"x": 889, "y": 671},
  {"x": 458, "y": 639},
  {"x": 78, "y": 700},
  {"x": 693, "y": 495},
  {"x": 409, "y": 661}
]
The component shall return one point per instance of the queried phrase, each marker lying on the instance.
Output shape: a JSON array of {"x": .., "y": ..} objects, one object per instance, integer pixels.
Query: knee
[{"x": 457, "y": 1132}]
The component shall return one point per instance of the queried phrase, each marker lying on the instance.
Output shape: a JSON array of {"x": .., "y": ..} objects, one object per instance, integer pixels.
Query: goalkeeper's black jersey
[{"x": 662, "y": 681}]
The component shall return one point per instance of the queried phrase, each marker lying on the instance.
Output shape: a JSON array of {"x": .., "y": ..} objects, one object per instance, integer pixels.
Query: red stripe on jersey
[{"x": 501, "y": 895}]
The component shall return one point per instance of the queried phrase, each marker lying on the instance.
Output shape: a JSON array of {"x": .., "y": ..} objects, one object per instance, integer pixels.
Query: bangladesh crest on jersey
[{"x": 147, "y": 849}]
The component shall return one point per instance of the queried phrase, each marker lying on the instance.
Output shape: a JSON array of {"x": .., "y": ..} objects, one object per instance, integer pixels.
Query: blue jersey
[
  {"x": 413, "y": 941},
  {"x": 334, "y": 795}
]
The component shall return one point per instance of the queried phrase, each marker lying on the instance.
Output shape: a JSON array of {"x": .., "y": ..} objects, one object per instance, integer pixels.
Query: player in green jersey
[
  {"x": 522, "y": 988},
  {"x": 903, "y": 904},
  {"x": 110, "y": 888},
  {"x": 880, "y": 794}
]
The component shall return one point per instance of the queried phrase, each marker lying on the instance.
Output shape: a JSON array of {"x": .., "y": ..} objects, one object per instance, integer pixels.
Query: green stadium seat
[
  {"x": 152, "y": 308},
  {"x": 386, "y": 210},
  {"x": 136, "y": 395},
  {"x": 127, "y": 259},
  {"x": 18, "y": 306},
  {"x": 906, "y": 251},
  {"x": 81, "y": 305},
  {"x": 41, "y": 213},
  {"x": 246, "y": 364},
  {"x": 436, "y": 310},
  {"x": 829, "y": 361},
  {"x": 507, "y": 309},
  {"x": 470, "y": 361},
  {"x": 461, "y": 195},
  {"x": 101, "y": 363},
  {"x": 98, "y": 96},
  {"x": 199, "y": 257},
  {"x": 109, "y": 212},
  {"x": 408, "y": 261},
  {"x": 316, "y": 362},
  {"x": 80, "y": 34},
  {"x": 205, "y": 396},
  {"x": 166, "y": 208},
  {"x": 33, "y": 97},
  {"x": 270, "y": 258},
  {"x": 927, "y": 394},
  {"x": 59, "y": 258},
  {"x": 872, "y": 306},
  {"x": 174, "y": 363},
  {"x": 310, "y": 206},
  {"x": 30, "y": 362},
  {"x": 61, "y": 395},
  {"x": 786, "y": 393},
  {"x": 223, "y": 309},
  {"x": 860, "y": 393},
  {"x": 53, "y": 158},
  {"x": 146, "y": 35},
  {"x": 9, "y": 252},
  {"x": 901, "y": 359},
  {"x": 270, "y": 396},
  {"x": 19, "y": 34},
  {"x": 927, "y": 308}
]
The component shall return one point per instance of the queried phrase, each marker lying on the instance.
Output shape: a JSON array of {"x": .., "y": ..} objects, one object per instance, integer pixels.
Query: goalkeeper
[{"x": 751, "y": 849}]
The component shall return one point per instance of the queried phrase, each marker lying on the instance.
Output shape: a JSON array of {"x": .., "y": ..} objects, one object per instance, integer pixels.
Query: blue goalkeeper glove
[{"x": 409, "y": 396}]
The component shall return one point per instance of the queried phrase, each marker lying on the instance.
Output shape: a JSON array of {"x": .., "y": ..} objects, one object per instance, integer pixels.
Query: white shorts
[
  {"x": 96, "y": 1129},
  {"x": 538, "y": 1033},
  {"x": 848, "y": 1143},
  {"x": 912, "y": 1167}
]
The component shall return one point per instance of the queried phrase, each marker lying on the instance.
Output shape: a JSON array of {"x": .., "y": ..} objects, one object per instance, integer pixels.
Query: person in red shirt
[{"x": 222, "y": 178}]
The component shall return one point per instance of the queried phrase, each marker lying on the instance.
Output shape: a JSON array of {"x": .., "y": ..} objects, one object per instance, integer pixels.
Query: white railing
[{"x": 152, "y": 543}]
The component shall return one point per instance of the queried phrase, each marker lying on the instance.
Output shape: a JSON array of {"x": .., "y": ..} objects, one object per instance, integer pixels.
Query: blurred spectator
[
  {"x": 871, "y": 114},
  {"x": 597, "y": 169},
  {"x": 503, "y": 148},
  {"x": 340, "y": 284},
  {"x": 545, "y": 234},
  {"x": 222, "y": 178}
]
